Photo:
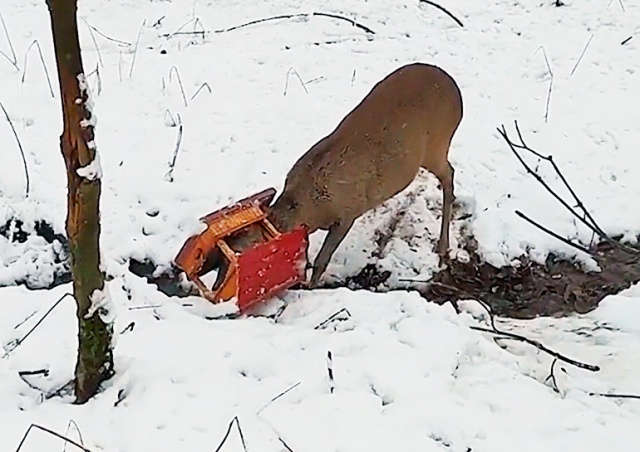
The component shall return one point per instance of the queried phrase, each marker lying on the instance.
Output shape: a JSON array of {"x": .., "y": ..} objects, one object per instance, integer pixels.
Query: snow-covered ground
[{"x": 409, "y": 375}]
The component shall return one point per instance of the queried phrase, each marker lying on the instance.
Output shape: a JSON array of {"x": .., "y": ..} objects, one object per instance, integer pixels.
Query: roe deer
[{"x": 405, "y": 123}]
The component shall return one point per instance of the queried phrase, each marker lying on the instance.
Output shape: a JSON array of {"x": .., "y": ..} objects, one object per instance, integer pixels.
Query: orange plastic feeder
[{"x": 257, "y": 273}]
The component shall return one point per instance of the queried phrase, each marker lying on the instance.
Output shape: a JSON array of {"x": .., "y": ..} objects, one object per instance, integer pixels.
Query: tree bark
[{"x": 95, "y": 358}]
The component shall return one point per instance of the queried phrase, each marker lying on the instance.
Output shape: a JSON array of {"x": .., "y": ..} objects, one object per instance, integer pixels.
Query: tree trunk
[{"x": 95, "y": 357}]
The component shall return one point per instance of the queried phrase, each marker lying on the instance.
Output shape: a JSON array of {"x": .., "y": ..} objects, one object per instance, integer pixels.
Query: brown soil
[{"x": 555, "y": 289}]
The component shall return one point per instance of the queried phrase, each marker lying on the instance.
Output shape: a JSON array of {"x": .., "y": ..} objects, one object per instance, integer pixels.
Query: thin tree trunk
[{"x": 95, "y": 357}]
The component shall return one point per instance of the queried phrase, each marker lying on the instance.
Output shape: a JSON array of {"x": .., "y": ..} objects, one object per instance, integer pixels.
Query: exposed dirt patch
[{"x": 557, "y": 288}]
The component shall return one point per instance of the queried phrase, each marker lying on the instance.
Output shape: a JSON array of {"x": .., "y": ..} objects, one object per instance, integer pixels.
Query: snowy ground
[{"x": 409, "y": 376}]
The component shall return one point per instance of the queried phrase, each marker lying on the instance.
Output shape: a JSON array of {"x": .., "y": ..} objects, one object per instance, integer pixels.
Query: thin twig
[
  {"x": 552, "y": 376},
  {"x": 15, "y": 344},
  {"x": 581, "y": 55},
  {"x": 286, "y": 446},
  {"x": 548, "y": 101},
  {"x": 21, "y": 149},
  {"x": 174, "y": 69},
  {"x": 441, "y": 8},
  {"x": 51, "y": 432},
  {"x": 13, "y": 60},
  {"x": 297, "y": 16},
  {"x": 616, "y": 396},
  {"x": 95, "y": 43},
  {"x": 135, "y": 49},
  {"x": 591, "y": 223},
  {"x": 286, "y": 391},
  {"x": 66, "y": 433},
  {"x": 44, "y": 66},
  {"x": 108, "y": 38},
  {"x": 332, "y": 317},
  {"x": 203, "y": 86},
  {"x": 626, "y": 40},
  {"x": 554, "y": 234},
  {"x": 226, "y": 435},
  {"x": 286, "y": 83},
  {"x": 507, "y": 335},
  {"x": 172, "y": 164}
]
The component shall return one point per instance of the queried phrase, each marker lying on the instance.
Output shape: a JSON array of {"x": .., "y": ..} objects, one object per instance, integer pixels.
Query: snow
[
  {"x": 93, "y": 170},
  {"x": 409, "y": 375}
]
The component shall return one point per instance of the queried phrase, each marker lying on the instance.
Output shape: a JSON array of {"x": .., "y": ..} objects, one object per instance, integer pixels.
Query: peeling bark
[{"x": 95, "y": 358}]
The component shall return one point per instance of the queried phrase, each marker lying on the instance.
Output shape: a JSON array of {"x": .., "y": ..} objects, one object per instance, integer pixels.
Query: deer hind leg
[{"x": 445, "y": 176}]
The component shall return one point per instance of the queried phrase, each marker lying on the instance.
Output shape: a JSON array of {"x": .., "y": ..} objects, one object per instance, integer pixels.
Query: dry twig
[
  {"x": 444, "y": 10},
  {"x": 51, "y": 432},
  {"x": 21, "y": 149}
]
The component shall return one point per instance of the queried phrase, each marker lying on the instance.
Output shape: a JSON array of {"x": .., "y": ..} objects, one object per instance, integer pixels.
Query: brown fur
[{"x": 405, "y": 123}]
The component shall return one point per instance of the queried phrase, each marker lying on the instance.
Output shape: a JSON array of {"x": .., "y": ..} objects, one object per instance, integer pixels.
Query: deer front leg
[{"x": 336, "y": 234}]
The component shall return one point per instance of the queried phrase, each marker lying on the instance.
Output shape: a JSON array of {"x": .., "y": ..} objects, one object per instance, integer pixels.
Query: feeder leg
[{"x": 336, "y": 234}]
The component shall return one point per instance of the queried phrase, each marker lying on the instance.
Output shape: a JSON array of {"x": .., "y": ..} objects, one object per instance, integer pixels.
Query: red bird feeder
[{"x": 257, "y": 273}]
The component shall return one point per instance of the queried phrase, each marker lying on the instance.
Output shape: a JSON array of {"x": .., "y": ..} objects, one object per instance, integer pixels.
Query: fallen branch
[
  {"x": 332, "y": 317},
  {"x": 108, "y": 38},
  {"x": 552, "y": 377},
  {"x": 507, "y": 335},
  {"x": 616, "y": 396},
  {"x": 286, "y": 391},
  {"x": 21, "y": 149},
  {"x": 297, "y": 16},
  {"x": 587, "y": 219},
  {"x": 441, "y": 8},
  {"x": 626, "y": 40},
  {"x": 286, "y": 83},
  {"x": 11, "y": 346},
  {"x": 51, "y": 432}
]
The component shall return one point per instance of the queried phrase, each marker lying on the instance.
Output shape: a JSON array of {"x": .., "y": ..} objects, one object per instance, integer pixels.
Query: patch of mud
[{"x": 557, "y": 288}]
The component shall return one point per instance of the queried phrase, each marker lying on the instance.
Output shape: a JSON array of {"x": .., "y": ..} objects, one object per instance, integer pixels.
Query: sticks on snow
[
  {"x": 21, "y": 149},
  {"x": 276, "y": 18},
  {"x": 44, "y": 66},
  {"x": 548, "y": 102},
  {"x": 586, "y": 218},
  {"x": 11, "y": 346},
  {"x": 507, "y": 335},
  {"x": 51, "y": 432},
  {"x": 444, "y": 10},
  {"x": 226, "y": 435},
  {"x": 12, "y": 59}
]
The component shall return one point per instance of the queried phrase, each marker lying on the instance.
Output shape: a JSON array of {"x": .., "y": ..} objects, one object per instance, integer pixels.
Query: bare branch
[
  {"x": 591, "y": 223},
  {"x": 203, "y": 86},
  {"x": 444, "y": 10},
  {"x": 554, "y": 234},
  {"x": 286, "y": 84},
  {"x": 286, "y": 391}
]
